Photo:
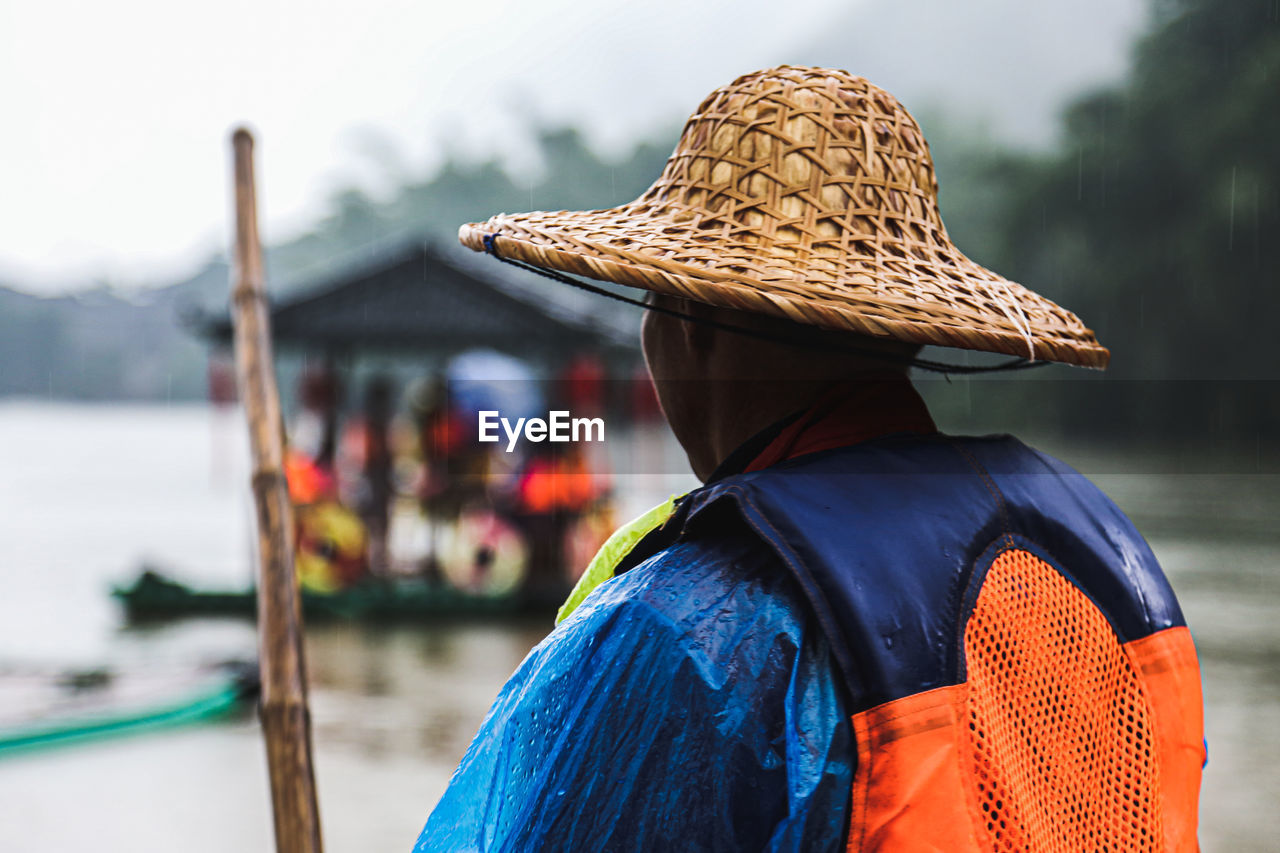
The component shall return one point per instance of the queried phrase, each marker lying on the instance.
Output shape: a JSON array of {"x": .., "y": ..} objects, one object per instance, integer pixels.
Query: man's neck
[
  {"x": 866, "y": 406},
  {"x": 749, "y": 408}
]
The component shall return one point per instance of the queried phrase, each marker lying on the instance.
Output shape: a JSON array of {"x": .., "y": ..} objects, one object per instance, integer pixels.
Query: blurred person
[
  {"x": 643, "y": 400},
  {"x": 367, "y": 451},
  {"x": 860, "y": 633},
  {"x": 455, "y": 466},
  {"x": 331, "y": 541},
  {"x": 554, "y": 489},
  {"x": 580, "y": 386},
  {"x": 314, "y": 431}
]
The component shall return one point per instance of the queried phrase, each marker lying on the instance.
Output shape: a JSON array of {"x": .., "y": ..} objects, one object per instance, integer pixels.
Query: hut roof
[{"x": 416, "y": 299}]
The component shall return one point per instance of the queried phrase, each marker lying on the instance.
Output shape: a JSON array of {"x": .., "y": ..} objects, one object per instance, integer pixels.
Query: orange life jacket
[{"x": 1020, "y": 673}]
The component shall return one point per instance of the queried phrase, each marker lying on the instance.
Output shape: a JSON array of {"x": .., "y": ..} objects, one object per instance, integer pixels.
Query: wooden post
[{"x": 286, "y": 722}]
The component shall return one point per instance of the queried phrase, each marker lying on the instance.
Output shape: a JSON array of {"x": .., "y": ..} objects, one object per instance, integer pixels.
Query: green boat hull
[
  {"x": 222, "y": 699},
  {"x": 155, "y": 597}
]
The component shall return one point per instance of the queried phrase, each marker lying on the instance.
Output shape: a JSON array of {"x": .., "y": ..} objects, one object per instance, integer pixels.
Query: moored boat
[{"x": 154, "y": 596}]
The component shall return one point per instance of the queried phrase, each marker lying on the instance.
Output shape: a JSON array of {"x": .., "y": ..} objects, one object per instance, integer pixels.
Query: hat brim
[{"x": 909, "y": 290}]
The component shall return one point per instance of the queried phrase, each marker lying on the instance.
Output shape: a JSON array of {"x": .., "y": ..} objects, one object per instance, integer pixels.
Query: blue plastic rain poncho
[{"x": 684, "y": 705}]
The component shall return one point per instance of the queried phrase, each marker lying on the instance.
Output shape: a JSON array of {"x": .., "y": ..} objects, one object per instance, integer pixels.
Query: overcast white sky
[{"x": 113, "y": 161}]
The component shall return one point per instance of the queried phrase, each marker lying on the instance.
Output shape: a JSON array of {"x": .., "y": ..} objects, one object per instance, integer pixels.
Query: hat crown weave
[{"x": 802, "y": 156}]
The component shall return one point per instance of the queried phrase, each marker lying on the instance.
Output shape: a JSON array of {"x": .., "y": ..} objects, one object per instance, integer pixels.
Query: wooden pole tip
[{"x": 242, "y": 136}]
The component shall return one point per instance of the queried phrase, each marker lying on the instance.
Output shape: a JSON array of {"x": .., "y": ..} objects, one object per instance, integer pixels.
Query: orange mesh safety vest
[{"x": 1019, "y": 670}]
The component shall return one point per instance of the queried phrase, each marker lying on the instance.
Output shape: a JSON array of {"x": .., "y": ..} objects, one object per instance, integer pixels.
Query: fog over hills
[
  {"x": 1009, "y": 63},
  {"x": 990, "y": 72}
]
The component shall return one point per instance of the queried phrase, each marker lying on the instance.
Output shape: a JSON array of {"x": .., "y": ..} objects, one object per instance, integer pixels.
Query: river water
[{"x": 87, "y": 493}]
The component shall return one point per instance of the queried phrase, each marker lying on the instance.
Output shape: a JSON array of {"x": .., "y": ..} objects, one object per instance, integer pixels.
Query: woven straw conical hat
[{"x": 805, "y": 193}]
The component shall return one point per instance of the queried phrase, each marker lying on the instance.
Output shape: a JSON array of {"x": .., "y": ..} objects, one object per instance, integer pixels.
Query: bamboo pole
[{"x": 286, "y": 721}]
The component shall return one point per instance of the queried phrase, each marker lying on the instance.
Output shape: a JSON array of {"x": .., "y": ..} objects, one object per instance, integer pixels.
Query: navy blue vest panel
[{"x": 885, "y": 538}]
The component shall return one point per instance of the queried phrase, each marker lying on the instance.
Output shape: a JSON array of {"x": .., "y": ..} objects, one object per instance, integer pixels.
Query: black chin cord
[{"x": 918, "y": 363}]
